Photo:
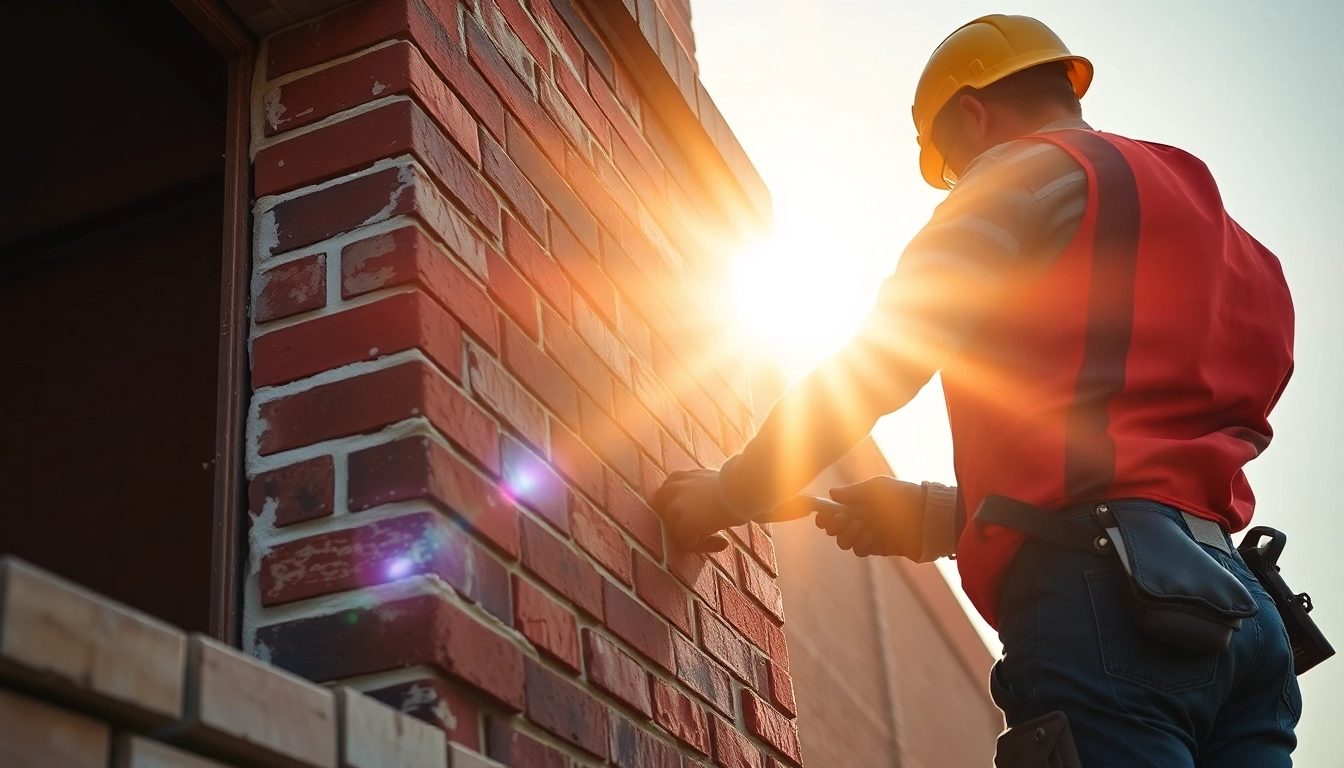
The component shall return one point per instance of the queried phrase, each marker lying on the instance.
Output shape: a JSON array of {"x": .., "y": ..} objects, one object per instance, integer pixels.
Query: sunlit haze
[{"x": 819, "y": 94}]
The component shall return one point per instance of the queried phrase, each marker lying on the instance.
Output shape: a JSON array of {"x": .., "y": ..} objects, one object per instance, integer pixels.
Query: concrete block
[
  {"x": 140, "y": 752},
  {"x": 374, "y": 735},
  {"x": 461, "y": 757},
  {"x": 34, "y": 734}
]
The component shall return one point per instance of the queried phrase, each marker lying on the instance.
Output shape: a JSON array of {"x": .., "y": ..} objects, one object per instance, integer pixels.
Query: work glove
[
  {"x": 882, "y": 516},
  {"x": 693, "y": 507}
]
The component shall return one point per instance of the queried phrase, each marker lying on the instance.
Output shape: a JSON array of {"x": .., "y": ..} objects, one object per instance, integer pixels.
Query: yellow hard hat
[{"x": 979, "y": 53}]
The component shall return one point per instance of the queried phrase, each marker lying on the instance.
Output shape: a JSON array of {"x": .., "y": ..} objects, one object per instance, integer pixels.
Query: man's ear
[{"x": 974, "y": 114}]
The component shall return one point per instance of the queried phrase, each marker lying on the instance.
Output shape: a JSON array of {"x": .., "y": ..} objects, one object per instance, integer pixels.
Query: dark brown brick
[
  {"x": 633, "y": 747},
  {"x": 637, "y": 625},
  {"x": 703, "y": 675},
  {"x": 298, "y": 492},
  {"x": 290, "y": 288},
  {"x": 550, "y": 626},
  {"x": 681, "y": 716},
  {"x": 555, "y": 563},
  {"x": 438, "y": 704},
  {"x": 565, "y": 709},
  {"x": 615, "y": 672},
  {"x": 659, "y": 589}
]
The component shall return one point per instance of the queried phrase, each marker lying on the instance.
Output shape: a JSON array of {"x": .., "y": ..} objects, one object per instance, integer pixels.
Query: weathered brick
[
  {"x": 295, "y": 493},
  {"x": 369, "y": 402},
  {"x": 541, "y": 375},
  {"x": 693, "y": 570},
  {"x": 526, "y": 29},
  {"x": 544, "y": 274},
  {"x": 565, "y": 709},
  {"x": 514, "y": 295},
  {"x": 419, "y": 468},
  {"x": 614, "y": 671},
  {"x": 576, "y": 92},
  {"x": 519, "y": 750},
  {"x": 630, "y": 134},
  {"x": 529, "y": 479},
  {"x": 551, "y": 560},
  {"x": 761, "y": 587},
  {"x": 600, "y": 539},
  {"x": 517, "y": 189},
  {"x": 703, "y": 675},
  {"x": 290, "y": 288},
  {"x": 505, "y": 397},
  {"x": 591, "y": 191},
  {"x": 551, "y": 184},
  {"x": 732, "y": 749},
  {"x": 659, "y": 589},
  {"x": 681, "y": 716},
  {"x": 630, "y": 511},
  {"x": 392, "y": 70},
  {"x": 763, "y": 549},
  {"x": 584, "y": 271},
  {"x": 564, "y": 116},
  {"x": 509, "y": 45},
  {"x": 771, "y": 727},
  {"x": 437, "y": 703},
  {"x": 565, "y": 347},
  {"x": 425, "y": 629},
  {"x": 374, "y": 735},
  {"x": 395, "y": 129},
  {"x": 675, "y": 458},
  {"x": 608, "y": 440},
  {"x": 750, "y": 620},
  {"x": 576, "y": 461},
  {"x": 781, "y": 690},
  {"x": 661, "y": 404},
  {"x": 516, "y": 94},
  {"x": 554, "y": 27},
  {"x": 630, "y": 746},
  {"x": 550, "y": 626},
  {"x": 723, "y": 644},
  {"x": 367, "y": 332},
  {"x": 382, "y": 551},
  {"x": 34, "y": 734},
  {"x": 586, "y": 36},
  {"x": 408, "y": 257},
  {"x": 602, "y": 339},
  {"x": 637, "y": 625},
  {"x": 88, "y": 649},
  {"x": 249, "y": 711},
  {"x": 327, "y": 212},
  {"x": 491, "y": 586}
]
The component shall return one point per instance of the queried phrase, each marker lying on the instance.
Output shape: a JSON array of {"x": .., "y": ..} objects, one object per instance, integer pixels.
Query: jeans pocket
[
  {"x": 1290, "y": 704},
  {"x": 1005, "y": 697},
  {"x": 1129, "y": 654}
]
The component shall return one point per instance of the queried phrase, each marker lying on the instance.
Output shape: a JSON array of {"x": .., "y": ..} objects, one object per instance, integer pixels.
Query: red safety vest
[{"x": 1142, "y": 364}]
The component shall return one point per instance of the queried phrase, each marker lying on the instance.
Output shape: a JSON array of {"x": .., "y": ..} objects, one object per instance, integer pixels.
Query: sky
[{"x": 819, "y": 92}]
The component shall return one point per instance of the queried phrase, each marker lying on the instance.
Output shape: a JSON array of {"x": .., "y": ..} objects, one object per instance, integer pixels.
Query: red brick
[
  {"x": 519, "y": 750},
  {"x": 552, "y": 561},
  {"x": 419, "y": 468},
  {"x": 388, "y": 71},
  {"x": 636, "y": 332},
  {"x": 549, "y": 625},
  {"x": 675, "y": 458},
  {"x": 492, "y": 586},
  {"x": 526, "y": 29},
  {"x": 637, "y": 625},
  {"x": 425, "y": 629},
  {"x": 703, "y": 675},
  {"x": 731, "y": 748},
  {"x": 371, "y": 401},
  {"x": 541, "y": 375},
  {"x": 761, "y": 587},
  {"x": 582, "y": 103},
  {"x": 631, "y": 746},
  {"x": 600, "y": 539},
  {"x": 657, "y": 588},
  {"x": 517, "y": 189},
  {"x": 351, "y": 144},
  {"x": 707, "y": 451},
  {"x": 695, "y": 572},
  {"x": 760, "y": 676},
  {"x": 745, "y": 616},
  {"x": 771, "y": 727},
  {"x": 367, "y": 332},
  {"x": 509, "y": 45},
  {"x": 505, "y": 397},
  {"x": 576, "y": 462},
  {"x": 726, "y": 559},
  {"x": 681, "y": 716},
  {"x": 565, "y": 709},
  {"x": 565, "y": 347},
  {"x": 586, "y": 36},
  {"x": 591, "y": 191},
  {"x": 621, "y": 123},
  {"x": 529, "y": 479},
  {"x": 781, "y": 690},
  {"x": 535, "y": 264},
  {"x": 608, "y": 441},
  {"x": 302, "y": 491},
  {"x": 516, "y": 95},
  {"x": 661, "y": 404},
  {"x": 438, "y": 704},
  {"x": 566, "y": 119},
  {"x": 602, "y": 339},
  {"x": 550, "y": 183},
  {"x": 514, "y": 295},
  {"x": 617, "y": 673},
  {"x": 763, "y": 549},
  {"x": 724, "y": 644},
  {"x": 353, "y": 203},
  {"x": 290, "y": 288},
  {"x": 555, "y": 29},
  {"x": 380, "y": 552},
  {"x": 584, "y": 271},
  {"x": 630, "y": 512},
  {"x": 407, "y": 257},
  {"x": 617, "y": 187}
]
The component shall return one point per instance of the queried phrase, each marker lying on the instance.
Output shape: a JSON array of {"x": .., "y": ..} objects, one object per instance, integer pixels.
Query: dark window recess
[{"x": 110, "y": 262}]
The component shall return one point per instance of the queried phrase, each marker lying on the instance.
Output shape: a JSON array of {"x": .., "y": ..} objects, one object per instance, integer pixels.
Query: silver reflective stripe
[{"x": 1207, "y": 532}]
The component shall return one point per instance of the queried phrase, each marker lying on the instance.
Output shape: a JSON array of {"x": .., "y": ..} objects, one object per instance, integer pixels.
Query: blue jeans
[{"x": 1070, "y": 644}]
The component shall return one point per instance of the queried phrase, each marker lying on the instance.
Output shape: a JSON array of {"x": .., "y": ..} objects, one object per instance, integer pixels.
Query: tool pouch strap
[
  {"x": 1043, "y": 742},
  {"x": 1179, "y": 594}
]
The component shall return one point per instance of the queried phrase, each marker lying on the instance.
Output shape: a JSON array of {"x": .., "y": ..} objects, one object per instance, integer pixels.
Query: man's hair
[{"x": 1032, "y": 89}]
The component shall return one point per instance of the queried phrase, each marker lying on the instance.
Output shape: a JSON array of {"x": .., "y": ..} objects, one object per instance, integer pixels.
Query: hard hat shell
[{"x": 979, "y": 53}]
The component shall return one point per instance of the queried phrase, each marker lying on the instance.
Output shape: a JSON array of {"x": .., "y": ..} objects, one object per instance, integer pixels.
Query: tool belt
[{"x": 1179, "y": 594}]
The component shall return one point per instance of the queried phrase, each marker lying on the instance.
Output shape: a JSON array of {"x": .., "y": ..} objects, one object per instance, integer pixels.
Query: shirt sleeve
[{"x": 1019, "y": 197}]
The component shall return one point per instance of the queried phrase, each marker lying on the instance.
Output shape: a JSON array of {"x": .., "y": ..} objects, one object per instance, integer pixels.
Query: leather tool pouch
[{"x": 1179, "y": 594}]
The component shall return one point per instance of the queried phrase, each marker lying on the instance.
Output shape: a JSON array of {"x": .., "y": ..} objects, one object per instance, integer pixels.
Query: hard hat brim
[{"x": 931, "y": 160}]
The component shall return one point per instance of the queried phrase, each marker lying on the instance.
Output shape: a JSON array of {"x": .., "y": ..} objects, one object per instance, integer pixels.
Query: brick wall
[{"x": 490, "y": 239}]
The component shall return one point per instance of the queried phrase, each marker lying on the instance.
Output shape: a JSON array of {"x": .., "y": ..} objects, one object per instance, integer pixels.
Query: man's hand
[
  {"x": 692, "y": 505},
  {"x": 883, "y": 516}
]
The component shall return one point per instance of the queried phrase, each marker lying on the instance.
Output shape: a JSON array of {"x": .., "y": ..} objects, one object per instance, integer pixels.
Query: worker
[{"x": 1110, "y": 343}]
